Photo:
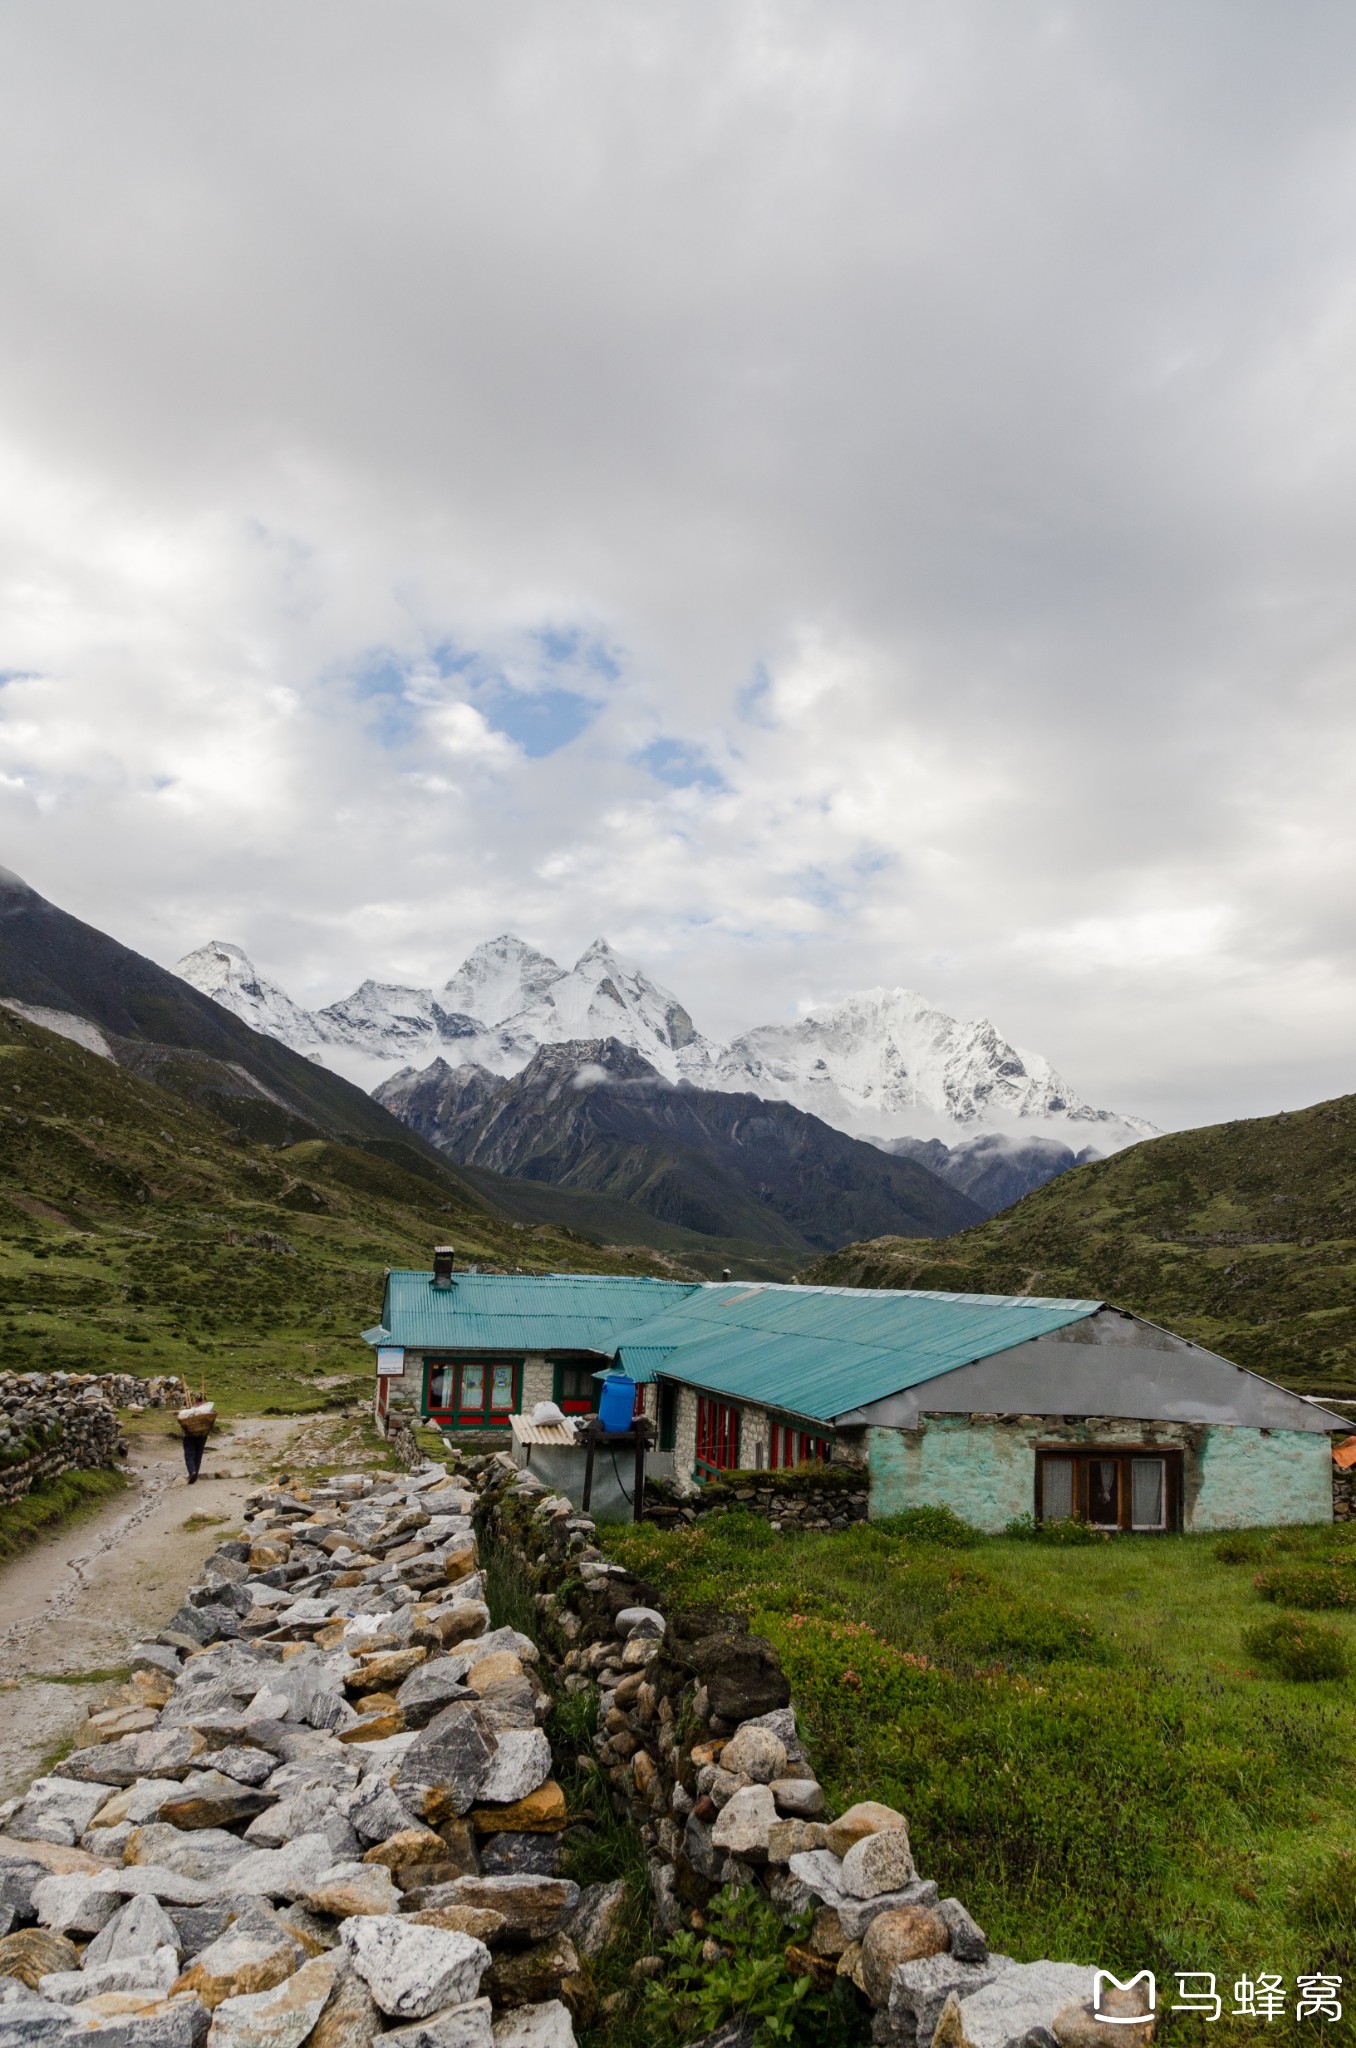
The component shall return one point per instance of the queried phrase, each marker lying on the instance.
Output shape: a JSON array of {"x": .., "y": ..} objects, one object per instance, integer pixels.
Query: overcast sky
[{"x": 823, "y": 495}]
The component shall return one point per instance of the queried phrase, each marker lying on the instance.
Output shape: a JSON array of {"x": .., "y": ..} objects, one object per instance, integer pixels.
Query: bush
[
  {"x": 746, "y": 1981},
  {"x": 1308, "y": 1585},
  {"x": 1026, "y": 1529},
  {"x": 1295, "y": 1647},
  {"x": 933, "y": 1525},
  {"x": 995, "y": 1626},
  {"x": 1241, "y": 1546}
]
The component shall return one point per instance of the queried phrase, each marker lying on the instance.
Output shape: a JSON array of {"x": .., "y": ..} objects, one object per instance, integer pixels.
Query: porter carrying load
[{"x": 195, "y": 1425}]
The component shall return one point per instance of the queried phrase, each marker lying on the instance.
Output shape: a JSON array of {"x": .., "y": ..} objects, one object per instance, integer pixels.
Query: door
[
  {"x": 668, "y": 1416},
  {"x": 1104, "y": 1493}
]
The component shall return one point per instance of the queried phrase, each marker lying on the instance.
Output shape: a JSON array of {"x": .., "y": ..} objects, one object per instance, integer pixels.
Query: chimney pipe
[
  {"x": 724, "y": 1272},
  {"x": 444, "y": 1258}
]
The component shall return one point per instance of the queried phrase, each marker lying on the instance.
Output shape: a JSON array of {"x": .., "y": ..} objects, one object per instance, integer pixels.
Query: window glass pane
[
  {"x": 1057, "y": 1489},
  {"x": 1104, "y": 1493},
  {"x": 501, "y": 1388},
  {"x": 1148, "y": 1493},
  {"x": 473, "y": 1386},
  {"x": 440, "y": 1387}
]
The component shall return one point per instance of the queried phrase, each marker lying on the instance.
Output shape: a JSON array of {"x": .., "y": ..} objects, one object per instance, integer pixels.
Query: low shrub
[
  {"x": 1026, "y": 1529},
  {"x": 1295, "y": 1647},
  {"x": 1308, "y": 1585},
  {"x": 996, "y": 1627},
  {"x": 738, "y": 1976},
  {"x": 1241, "y": 1546},
  {"x": 938, "y": 1525}
]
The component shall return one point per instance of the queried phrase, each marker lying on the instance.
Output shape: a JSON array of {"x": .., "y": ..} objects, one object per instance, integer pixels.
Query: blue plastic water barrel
[{"x": 617, "y": 1405}]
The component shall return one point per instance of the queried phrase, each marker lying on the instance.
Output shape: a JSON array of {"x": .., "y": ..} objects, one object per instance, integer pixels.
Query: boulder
[
  {"x": 350, "y": 2018},
  {"x": 741, "y": 1674},
  {"x": 868, "y": 1817},
  {"x": 408, "y": 1846},
  {"x": 27, "y": 2021},
  {"x": 745, "y": 1823},
  {"x": 638, "y": 1621},
  {"x": 528, "y": 1976},
  {"x": 73, "y": 1905},
  {"x": 59, "y": 1809},
  {"x": 282, "y": 1873},
  {"x": 138, "y": 1928},
  {"x": 151, "y": 1975},
  {"x": 476, "y": 1920},
  {"x": 374, "y": 1812},
  {"x": 18, "y": 1875},
  {"x": 534, "y": 1907},
  {"x": 279, "y": 2018},
  {"x": 154, "y": 1881},
  {"x": 521, "y": 1763},
  {"x": 209, "y": 1854},
  {"x": 878, "y": 1863},
  {"x": 1022, "y": 2001},
  {"x": 456, "y": 2026},
  {"x": 209, "y": 1799},
  {"x": 351, "y": 1888},
  {"x": 244, "y": 1762},
  {"x": 413, "y": 1971},
  {"x": 33, "y": 1953},
  {"x": 441, "y": 1772},
  {"x": 798, "y": 1798},
  {"x": 535, "y": 2026},
  {"x": 969, "y": 1943},
  {"x": 428, "y": 1690},
  {"x": 519, "y": 1855},
  {"x": 754, "y": 1753},
  {"x": 598, "y": 1917},
  {"x": 793, "y": 1838},
  {"x": 542, "y": 1812},
  {"x": 240, "y": 1963},
  {"x": 900, "y": 1936},
  {"x": 919, "y": 1990}
]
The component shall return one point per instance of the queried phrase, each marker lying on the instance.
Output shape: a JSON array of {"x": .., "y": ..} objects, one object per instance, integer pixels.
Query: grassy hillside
[
  {"x": 142, "y": 1233},
  {"x": 1240, "y": 1235}
]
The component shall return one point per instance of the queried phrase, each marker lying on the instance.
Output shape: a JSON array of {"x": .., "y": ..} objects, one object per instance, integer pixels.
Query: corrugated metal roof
[
  {"x": 823, "y": 1351},
  {"x": 522, "y": 1311}
]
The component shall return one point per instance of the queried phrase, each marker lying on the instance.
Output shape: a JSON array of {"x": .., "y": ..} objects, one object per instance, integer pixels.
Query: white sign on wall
[{"x": 390, "y": 1362}]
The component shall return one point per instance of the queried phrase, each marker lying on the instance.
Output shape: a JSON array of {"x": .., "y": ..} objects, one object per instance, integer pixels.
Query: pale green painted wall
[
  {"x": 985, "y": 1470},
  {"x": 1249, "y": 1479}
]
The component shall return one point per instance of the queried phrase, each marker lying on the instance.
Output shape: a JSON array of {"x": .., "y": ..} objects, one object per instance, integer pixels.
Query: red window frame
[
  {"x": 717, "y": 1437},
  {"x": 575, "y": 1404},
  {"x": 464, "y": 1411},
  {"x": 790, "y": 1447}
]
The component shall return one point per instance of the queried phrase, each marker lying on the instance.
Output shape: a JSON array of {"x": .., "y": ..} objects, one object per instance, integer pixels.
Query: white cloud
[{"x": 826, "y": 495}]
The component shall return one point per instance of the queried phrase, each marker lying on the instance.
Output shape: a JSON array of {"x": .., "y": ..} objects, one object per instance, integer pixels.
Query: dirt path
[{"x": 77, "y": 1601}]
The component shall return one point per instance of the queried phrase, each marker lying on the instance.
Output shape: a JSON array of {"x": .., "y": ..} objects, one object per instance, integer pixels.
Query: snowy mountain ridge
[{"x": 882, "y": 1064}]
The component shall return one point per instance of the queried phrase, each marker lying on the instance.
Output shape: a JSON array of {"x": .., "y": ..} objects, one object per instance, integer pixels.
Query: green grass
[
  {"x": 140, "y": 1232},
  {"x": 1085, "y": 1751},
  {"x": 1241, "y": 1235},
  {"x": 65, "y": 1499}
]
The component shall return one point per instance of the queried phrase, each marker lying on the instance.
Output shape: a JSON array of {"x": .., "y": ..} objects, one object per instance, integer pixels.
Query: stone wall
[
  {"x": 1343, "y": 1495},
  {"x": 834, "y": 1497},
  {"x": 52, "y": 1423},
  {"x": 698, "y": 1741}
]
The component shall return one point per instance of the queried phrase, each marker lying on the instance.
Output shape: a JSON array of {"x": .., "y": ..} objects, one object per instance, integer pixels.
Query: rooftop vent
[{"x": 444, "y": 1258}]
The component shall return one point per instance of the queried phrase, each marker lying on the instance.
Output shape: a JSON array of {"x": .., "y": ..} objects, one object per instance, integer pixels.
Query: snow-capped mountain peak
[{"x": 883, "y": 1063}]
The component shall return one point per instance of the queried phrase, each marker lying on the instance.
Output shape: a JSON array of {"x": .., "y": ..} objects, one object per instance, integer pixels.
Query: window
[
  {"x": 717, "y": 1437},
  {"x": 1115, "y": 1488},
  {"x": 668, "y": 1415},
  {"x": 473, "y": 1393},
  {"x": 576, "y": 1390},
  {"x": 795, "y": 1447}
]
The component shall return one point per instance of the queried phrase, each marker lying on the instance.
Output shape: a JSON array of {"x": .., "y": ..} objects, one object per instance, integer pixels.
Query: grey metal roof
[{"x": 823, "y": 1351}]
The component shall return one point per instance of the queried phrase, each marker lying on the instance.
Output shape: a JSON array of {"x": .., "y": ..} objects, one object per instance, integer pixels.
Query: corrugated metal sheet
[
  {"x": 822, "y": 1351},
  {"x": 522, "y": 1312},
  {"x": 529, "y": 1432}
]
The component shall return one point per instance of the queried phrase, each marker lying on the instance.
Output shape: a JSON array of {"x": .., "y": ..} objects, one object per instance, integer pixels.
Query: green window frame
[{"x": 573, "y": 1386}]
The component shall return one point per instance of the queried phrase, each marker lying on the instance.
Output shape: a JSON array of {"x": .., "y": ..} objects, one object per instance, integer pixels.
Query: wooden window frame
[
  {"x": 1082, "y": 1455},
  {"x": 457, "y": 1415},
  {"x": 718, "y": 1427}
]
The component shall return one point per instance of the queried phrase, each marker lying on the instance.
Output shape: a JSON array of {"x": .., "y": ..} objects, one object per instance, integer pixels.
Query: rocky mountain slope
[
  {"x": 1241, "y": 1235},
  {"x": 594, "y": 1115},
  {"x": 882, "y": 1065}
]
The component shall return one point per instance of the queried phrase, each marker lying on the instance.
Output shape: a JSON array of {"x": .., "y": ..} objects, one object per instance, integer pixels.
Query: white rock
[
  {"x": 535, "y": 2026},
  {"x": 58, "y": 1810},
  {"x": 137, "y": 1929},
  {"x": 456, "y": 2026},
  {"x": 282, "y": 1873},
  {"x": 639, "y": 1621},
  {"x": 1025, "y": 1996},
  {"x": 280, "y": 2018},
  {"x": 878, "y": 1863},
  {"x": 745, "y": 1822},
  {"x": 132, "y": 1973},
  {"x": 71, "y": 1905},
  {"x": 521, "y": 1763},
  {"x": 413, "y": 1971},
  {"x": 153, "y": 1880},
  {"x": 754, "y": 1753}
]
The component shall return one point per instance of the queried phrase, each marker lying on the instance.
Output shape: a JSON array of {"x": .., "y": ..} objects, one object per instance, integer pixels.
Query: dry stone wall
[
  {"x": 832, "y": 1498},
  {"x": 698, "y": 1738},
  {"x": 321, "y": 1811},
  {"x": 52, "y": 1423}
]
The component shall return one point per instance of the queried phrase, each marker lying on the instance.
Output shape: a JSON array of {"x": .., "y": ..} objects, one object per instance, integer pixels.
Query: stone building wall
[{"x": 52, "y": 1423}]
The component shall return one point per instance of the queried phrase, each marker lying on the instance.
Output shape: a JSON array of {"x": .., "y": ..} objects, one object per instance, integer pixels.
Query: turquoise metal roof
[
  {"x": 823, "y": 1351},
  {"x": 520, "y": 1312}
]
